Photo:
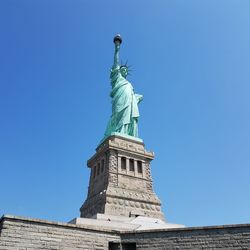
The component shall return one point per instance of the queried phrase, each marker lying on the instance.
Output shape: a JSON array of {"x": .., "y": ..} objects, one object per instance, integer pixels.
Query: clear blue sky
[{"x": 191, "y": 61}]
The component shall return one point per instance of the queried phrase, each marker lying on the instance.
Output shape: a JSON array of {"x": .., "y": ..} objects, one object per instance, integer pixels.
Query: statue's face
[{"x": 124, "y": 71}]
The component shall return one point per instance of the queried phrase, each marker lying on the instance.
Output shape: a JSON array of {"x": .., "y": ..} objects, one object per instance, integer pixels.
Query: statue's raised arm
[
  {"x": 125, "y": 113},
  {"x": 117, "y": 42}
]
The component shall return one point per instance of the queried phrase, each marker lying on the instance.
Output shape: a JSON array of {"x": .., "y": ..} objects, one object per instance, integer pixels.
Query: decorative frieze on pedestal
[{"x": 120, "y": 181}]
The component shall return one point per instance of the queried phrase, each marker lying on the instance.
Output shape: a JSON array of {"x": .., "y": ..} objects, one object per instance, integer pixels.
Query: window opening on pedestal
[
  {"x": 123, "y": 163},
  {"x": 94, "y": 174},
  {"x": 131, "y": 165},
  {"x": 102, "y": 166},
  {"x": 139, "y": 167},
  {"x": 98, "y": 169}
]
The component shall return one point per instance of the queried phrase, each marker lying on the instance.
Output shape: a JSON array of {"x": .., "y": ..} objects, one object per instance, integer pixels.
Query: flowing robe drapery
[{"x": 125, "y": 110}]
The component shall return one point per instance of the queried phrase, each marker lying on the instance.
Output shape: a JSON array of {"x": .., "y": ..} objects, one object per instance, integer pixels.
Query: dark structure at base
[{"x": 23, "y": 233}]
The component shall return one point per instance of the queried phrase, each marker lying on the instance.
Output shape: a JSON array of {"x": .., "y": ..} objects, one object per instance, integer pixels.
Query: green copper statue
[{"x": 125, "y": 113}]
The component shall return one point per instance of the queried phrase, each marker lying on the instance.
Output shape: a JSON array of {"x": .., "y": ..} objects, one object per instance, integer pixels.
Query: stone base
[
  {"x": 120, "y": 181},
  {"x": 123, "y": 202},
  {"x": 129, "y": 137}
]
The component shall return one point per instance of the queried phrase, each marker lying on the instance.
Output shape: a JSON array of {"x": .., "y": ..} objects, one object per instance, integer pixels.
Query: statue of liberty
[{"x": 125, "y": 112}]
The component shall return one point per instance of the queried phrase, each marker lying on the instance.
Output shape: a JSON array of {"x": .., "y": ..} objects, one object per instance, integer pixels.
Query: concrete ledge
[
  {"x": 8, "y": 217},
  {"x": 202, "y": 228}
]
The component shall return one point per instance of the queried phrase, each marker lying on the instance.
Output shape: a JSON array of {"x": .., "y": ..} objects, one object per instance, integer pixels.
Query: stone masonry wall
[
  {"x": 17, "y": 233},
  {"x": 215, "y": 237},
  {"x": 27, "y": 234}
]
